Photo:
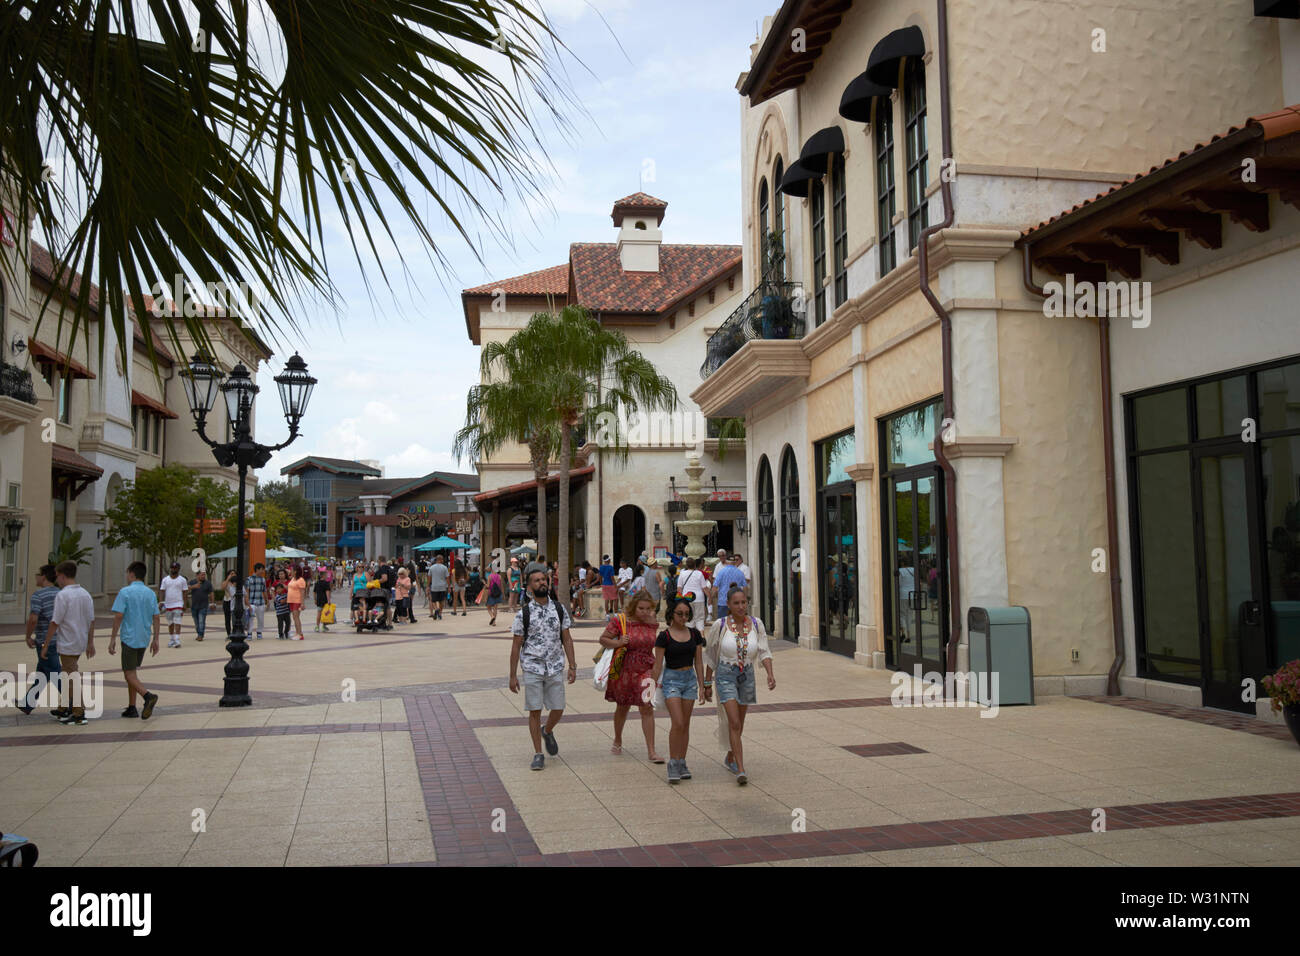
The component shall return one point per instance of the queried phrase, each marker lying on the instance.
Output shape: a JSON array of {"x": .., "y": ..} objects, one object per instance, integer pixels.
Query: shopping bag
[
  {"x": 482, "y": 596},
  {"x": 327, "y": 614},
  {"x": 601, "y": 677}
]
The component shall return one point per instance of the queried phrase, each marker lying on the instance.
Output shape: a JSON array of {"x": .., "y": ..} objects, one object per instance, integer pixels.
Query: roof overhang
[
  {"x": 497, "y": 496},
  {"x": 778, "y": 66},
  {"x": 141, "y": 400},
  {"x": 48, "y": 355}
]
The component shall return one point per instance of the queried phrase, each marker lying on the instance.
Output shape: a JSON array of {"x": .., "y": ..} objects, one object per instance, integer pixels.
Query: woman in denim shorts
[
  {"x": 736, "y": 645},
  {"x": 679, "y": 670}
]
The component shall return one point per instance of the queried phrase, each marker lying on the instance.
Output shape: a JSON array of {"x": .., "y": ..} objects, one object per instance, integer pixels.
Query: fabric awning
[
  {"x": 63, "y": 459},
  {"x": 144, "y": 401},
  {"x": 352, "y": 539},
  {"x": 815, "y": 155},
  {"x": 882, "y": 65},
  {"x": 859, "y": 96},
  {"x": 515, "y": 489},
  {"x": 796, "y": 180},
  {"x": 45, "y": 354}
]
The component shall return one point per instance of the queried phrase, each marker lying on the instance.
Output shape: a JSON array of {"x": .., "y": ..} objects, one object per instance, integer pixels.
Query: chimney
[{"x": 638, "y": 217}]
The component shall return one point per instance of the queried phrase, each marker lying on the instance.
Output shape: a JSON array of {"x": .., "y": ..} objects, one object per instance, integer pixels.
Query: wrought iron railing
[
  {"x": 774, "y": 310},
  {"x": 16, "y": 383}
]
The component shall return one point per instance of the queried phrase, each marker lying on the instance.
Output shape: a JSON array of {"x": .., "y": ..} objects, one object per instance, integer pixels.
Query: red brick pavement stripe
[
  {"x": 820, "y": 843},
  {"x": 884, "y": 750},
  {"x": 1198, "y": 715},
  {"x": 782, "y": 708},
  {"x": 462, "y": 791},
  {"x": 74, "y": 736}
]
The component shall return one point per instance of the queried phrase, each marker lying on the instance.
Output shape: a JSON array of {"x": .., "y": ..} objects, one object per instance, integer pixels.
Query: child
[{"x": 282, "y": 619}]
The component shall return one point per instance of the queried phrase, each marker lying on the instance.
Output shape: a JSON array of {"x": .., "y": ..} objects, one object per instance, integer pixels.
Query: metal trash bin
[{"x": 1001, "y": 644}]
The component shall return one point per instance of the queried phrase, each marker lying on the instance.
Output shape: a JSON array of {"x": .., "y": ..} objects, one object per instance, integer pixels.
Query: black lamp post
[{"x": 203, "y": 380}]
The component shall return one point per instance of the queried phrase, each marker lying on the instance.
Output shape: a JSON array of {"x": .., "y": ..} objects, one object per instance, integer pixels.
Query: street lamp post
[{"x": 203, "y": 380}]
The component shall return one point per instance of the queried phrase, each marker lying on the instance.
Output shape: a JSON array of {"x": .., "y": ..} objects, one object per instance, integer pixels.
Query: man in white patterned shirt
[{"x": 541, "y": 642}]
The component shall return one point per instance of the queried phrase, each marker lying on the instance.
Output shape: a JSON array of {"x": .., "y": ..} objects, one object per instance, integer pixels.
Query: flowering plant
[{"x": 1283, "y": 688}]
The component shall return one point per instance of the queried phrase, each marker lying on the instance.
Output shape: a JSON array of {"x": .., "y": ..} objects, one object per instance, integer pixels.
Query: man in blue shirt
[
  {"x": 724, "y": 576},
  {"x": 135, "y": 615},
  {"x": 38, "y": 623}
]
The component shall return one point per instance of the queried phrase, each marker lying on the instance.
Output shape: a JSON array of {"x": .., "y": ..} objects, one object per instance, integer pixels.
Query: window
[
  {"x": 60, "y": 515},
  {"x": 157, "y": 434},
  {"x": 839, "y": 229},
  {"x": 351, "y": 523},
  {"x": 65, "y": 399},
  {"x": 778, "y": 218},
  {"x": 321, "y": 510},
  {"x": 918, "y": 153},
  {"x": 15, "y": 495},
  {"x": 818, "y": 197},
  {"x": 142, "y": 428},
  {"x": 316, "y": 489},
  {"x": 886, "y": 204},
  {"x": 135, "y": 425},
  {"x": 762, "y": 214}
]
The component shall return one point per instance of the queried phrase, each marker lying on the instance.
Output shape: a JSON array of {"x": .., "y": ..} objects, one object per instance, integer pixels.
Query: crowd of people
[{"x": 706, "y": 641}]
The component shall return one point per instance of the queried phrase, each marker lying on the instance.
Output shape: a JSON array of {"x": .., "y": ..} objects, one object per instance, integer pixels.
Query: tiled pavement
[{"x": 430, "y": 764}]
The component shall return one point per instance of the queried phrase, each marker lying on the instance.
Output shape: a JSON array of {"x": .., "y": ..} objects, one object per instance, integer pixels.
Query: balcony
[
  {"x": 17, "y": 398},
  {"x": 760, "y": 346}
]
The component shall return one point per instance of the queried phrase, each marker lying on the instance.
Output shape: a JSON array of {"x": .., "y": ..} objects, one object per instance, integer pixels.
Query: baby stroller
[{"x": 375, "y": 602}]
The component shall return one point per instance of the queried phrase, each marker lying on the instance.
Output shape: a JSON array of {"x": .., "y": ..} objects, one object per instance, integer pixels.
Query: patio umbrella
[
  {"x": 440, "y": 544},
  {"x": 280, "y": 554}
]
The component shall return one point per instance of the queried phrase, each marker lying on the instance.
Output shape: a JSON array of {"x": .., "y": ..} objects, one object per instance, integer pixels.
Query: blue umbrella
[{"x": 440, "y": 544}]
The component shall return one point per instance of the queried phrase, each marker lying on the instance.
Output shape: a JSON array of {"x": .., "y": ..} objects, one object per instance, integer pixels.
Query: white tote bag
[{"x": 601, "y": 677}]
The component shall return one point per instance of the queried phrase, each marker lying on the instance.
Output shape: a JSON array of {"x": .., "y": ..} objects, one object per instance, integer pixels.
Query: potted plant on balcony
[{"x": 1283, "y": 689}]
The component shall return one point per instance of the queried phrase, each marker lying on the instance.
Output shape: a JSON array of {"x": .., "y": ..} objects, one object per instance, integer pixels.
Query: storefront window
[
  {"x": 1168, "y": 565},
  {"x": 1279, "y": 398},
  {"x": 835, "y": 456},
  {"x": 909, "y": 436},
  {"x": 1160, "y": 420},
  {"x": 1221, "y": 407}
]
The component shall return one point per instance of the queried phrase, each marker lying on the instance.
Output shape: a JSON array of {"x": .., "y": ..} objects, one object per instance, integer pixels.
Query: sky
[{"x": 394, "y": 364}]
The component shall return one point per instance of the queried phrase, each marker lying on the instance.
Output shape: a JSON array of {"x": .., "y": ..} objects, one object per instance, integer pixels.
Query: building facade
[
  {"x": 667, "y": 299},
  {"x": 933, "y": 442}
]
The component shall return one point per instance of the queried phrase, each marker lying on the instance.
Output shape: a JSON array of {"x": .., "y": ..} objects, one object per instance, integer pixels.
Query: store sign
[
  {"x": 418, "y": 521},
  {"x": 420, "y": 509},
  {"x": 722, "y": 494}
]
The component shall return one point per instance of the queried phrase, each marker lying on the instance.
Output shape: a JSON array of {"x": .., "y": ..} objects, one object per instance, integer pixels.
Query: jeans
[
  {"x": 283, "y": 621},
  {"x": 200, "y": 615},
  {"x": 49, "y": 666},
  {"x": 732, "y": 683},
  {"x": 681, "y": 684},
  {"x": 255, "y": 611},
  {"x": 225, "y": 609}
]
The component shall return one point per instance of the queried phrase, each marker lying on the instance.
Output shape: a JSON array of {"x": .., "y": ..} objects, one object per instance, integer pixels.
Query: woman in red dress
[{"x": 634, "y": 685}]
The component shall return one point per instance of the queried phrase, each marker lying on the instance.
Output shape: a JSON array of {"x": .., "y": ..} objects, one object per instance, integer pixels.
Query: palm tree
[
  {"x": 507, "y": 410},
  {"x": 154, "y": 140},
  {"x": 587, "y": 372}
]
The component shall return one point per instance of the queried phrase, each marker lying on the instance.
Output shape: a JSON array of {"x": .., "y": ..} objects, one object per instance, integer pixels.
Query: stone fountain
[{"x": 695, "y": 527}]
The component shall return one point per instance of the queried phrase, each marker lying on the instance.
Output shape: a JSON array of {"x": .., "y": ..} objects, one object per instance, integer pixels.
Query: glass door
[
  {"x": 916, "y": 594},
  {"x": 1233, "y": 642},
  {"x": 839, "y": 573}
]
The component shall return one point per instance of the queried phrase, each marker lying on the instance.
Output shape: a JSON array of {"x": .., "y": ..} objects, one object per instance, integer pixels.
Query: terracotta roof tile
[
  {"x": 1283, "y": 122},
  {"x": 638, "y": 203},
  {"x": 601, "y": 284},
  {"x": 63, "y": 458},
  {"x": 44, "y": 265},
  {"x": 552, "y": 281}
]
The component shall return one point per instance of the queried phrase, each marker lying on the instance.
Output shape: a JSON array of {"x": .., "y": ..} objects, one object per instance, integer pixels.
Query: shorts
[
  {"x": 132, "y": 657},
  {"x": 322, "y": 601},
  {"x": 734, "y": 684},
  {"x": 174, "y": 615},
  {"x": 609, "y": 592},
  {"x": 295, "y": 607},
  {"x": 681, "y": 684},
  {"x": 543, "y": 692}
]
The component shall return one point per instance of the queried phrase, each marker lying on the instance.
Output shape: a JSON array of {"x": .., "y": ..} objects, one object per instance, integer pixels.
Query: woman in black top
[
  {"x": 679, "y": 670},
  {"x": 322, "y": 594},
  {"x": 227, "y": 595}
]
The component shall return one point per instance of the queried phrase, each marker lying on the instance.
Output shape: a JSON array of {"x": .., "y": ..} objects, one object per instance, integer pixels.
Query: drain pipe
[
  {"x": 1112, "y": 510},
  {"x": 945, "y": 325}
]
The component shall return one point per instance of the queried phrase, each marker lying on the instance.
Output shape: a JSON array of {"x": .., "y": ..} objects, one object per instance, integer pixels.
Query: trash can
[{"x": 1001, "y": 646}]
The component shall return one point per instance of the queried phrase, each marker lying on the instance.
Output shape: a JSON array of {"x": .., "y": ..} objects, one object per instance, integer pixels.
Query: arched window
[
  {"x": 817, "y": 215},
  {"x": 765, "y": 576},
  {"x": 778, "y": 220},
  {"x": 792, "y": 595},
  {"x": 762, "y": 218},
  {"x": 886, "y": 203}
]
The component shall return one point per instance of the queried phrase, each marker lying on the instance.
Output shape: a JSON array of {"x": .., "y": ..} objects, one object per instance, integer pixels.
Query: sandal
[
  {"x": 616, "y": 750},
  {"x": 655, "y": 758}
]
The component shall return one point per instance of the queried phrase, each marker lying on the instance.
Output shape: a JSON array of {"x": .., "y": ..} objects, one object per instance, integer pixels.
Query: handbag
[
  {"x": 482, "y": 596},
  {"x": 327, "y": 614},
  {"x": 616, "y": 662},
  {"x": 604, "y": 659}
]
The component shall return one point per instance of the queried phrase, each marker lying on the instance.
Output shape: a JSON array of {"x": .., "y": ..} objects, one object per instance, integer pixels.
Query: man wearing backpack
[{"x": 542, "y": 641}]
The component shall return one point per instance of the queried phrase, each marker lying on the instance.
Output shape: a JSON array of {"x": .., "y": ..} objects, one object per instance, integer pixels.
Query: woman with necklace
[
  {"x": 631, "y": 681},
  {"x": 736, "y": 644},
  {"x": 679, "y": 670}
]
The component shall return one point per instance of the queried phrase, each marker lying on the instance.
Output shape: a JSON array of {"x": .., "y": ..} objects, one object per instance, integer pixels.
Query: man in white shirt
[
  {"x": 749, "y": 575},
  {"x": 624, "y": 578},
  {"x": 72, "y": 631},
  {"x": 173, "y": 588}
]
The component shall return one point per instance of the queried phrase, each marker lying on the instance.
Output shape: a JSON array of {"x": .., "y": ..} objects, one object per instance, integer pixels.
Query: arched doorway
[
  {"x": 114, "y": 559},
  {"x": 629, "y": 533},
  {"x": 765, "y": 572},
  {"x": 791, "y": 592}
]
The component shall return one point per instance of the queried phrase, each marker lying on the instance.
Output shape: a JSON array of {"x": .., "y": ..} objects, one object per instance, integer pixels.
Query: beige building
[
  {"x": 934, "y": 442},
  {"x": 85, "y": 428},
  {"x": 667, "y": 298}
]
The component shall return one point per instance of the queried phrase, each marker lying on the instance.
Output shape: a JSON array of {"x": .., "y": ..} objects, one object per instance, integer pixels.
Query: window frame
[
  {"x": 839, "y": 228},
  {"x": 886, "y": 187},
  {"x": 778, "y": 213},
  {"x": 817, "y": 224},
  {"x": 916, "y": 149}
]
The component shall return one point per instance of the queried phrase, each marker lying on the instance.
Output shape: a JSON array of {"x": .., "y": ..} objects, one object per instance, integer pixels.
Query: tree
[
  {"x": 575, "y": 373},
  {"x": 299, "y": 520},
  {"x": 155, "y": 512},
  {"x": 155, "y": 140}
]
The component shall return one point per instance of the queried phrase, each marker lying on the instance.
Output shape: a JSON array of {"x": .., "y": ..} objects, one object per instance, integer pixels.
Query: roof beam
[
  {"x": 1159, "y": 245},
  {"x": 1283, "y": 181},
  {"x": 1068, "y": 265},
  {"x": 1127, "y": 262},
  {"x": 1203, "y": 228},
  {"x": 1245, "y": 208}
]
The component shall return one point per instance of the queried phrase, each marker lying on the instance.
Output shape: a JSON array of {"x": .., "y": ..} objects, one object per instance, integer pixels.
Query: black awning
[
  {"x": 796, "y": 179},
  {"x": 819, "y": 146},
  {"x": 858, "y": 96},
  {"x": 882, "y": 66}
]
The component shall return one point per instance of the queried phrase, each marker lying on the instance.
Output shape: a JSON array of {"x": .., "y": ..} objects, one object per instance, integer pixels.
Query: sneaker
[
  {"x": 681, "y": 766},
  {"x": 674, "y": 772},
  {"x": 552, "y": 747},
  {"x": 26, "y": 710},
  {"x": 742, "y": 778},
  {"x": 539, "y": 762},
  {"x": 58, "y": 714},
  {"x": 149, "y": 701},
  {"x": 731, "y": 765},
  {"x": 78, "y": 719},
  {"x": 130, "y": 712},
  {"x": 259, "y": 637}
]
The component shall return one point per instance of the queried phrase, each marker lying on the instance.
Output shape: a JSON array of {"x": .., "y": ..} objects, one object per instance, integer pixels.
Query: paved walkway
[{"x": 430, "y": 765}]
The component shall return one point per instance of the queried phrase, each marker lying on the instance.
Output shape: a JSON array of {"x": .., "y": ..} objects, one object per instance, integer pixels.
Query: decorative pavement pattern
[{"x": 429, "y": 766}]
